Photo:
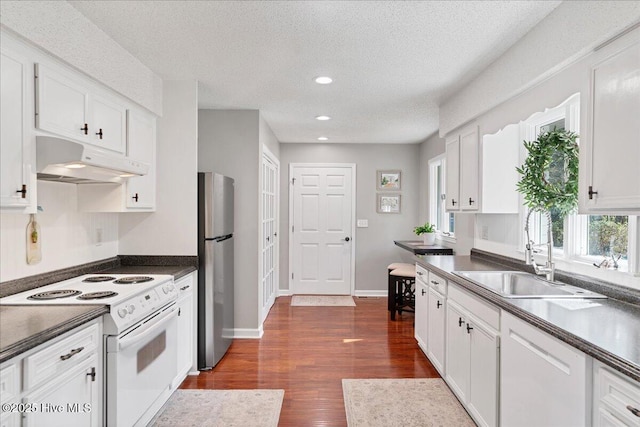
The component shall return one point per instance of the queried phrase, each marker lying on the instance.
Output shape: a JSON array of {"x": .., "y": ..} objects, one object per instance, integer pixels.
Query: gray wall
[
  {"x": 228, "y": 144},
  {"x": 374, "y": 245}
]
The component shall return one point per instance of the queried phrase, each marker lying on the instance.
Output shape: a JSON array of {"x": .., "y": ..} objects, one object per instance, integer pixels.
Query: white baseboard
[
  {"x": 372, "y": 293},
  {"x": 284, "y": 292},
  {"x": 248, "y": 333}
]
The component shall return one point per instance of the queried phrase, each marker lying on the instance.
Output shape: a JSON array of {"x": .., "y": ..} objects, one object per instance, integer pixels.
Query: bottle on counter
[{"x": 34, "y": 251}]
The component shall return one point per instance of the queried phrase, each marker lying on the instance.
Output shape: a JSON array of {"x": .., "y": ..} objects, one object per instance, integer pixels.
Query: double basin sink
[{"x": 516, "y": 284}]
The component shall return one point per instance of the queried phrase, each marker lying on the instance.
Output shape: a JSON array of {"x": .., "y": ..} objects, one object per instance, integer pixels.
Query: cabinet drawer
[
  {"x": 438, "y": 283},
  {"x": 60, "y": 356},
  {"x": 617, "y": 395},
  {"x": 480, "y": 309},
  {"x": 9, "y": 383}
]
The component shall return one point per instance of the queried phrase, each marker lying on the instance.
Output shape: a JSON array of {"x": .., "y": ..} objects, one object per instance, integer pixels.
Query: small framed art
[
  {"x": 388, "y": 180},
  {"x": 388, "y": 203}
]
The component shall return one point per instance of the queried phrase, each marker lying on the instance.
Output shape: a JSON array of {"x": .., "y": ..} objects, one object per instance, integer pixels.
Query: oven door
[{"x": 141, "y": 365}]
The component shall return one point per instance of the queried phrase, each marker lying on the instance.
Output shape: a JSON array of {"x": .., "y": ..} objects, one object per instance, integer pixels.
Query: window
[
  {"x": 444, "y": 221},
  {"x": 602, "y": 240}
]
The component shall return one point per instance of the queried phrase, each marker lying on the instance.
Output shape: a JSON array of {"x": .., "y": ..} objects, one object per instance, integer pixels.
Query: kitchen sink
[{"x": 516, "y": 284}]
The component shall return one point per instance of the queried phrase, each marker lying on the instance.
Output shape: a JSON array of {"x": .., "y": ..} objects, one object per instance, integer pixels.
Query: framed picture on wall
[
  {"x": 388, "y": 203},
  {"x": 388, "y": 180}
]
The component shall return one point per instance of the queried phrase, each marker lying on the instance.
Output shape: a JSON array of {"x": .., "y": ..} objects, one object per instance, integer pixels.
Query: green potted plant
[{"x": 428, "y": 233}]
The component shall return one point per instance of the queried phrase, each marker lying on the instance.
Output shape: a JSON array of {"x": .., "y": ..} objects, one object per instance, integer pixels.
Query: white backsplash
[{"x": 68, "y": 237}]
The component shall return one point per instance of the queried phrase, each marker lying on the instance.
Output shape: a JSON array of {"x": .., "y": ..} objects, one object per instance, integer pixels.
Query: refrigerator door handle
[{"x": 220, "y": 238}]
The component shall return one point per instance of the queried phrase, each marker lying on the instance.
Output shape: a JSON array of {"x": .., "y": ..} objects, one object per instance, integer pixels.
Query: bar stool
[
  {"x": 392, "y": 283},
  {"x": 403, "y": 290}
]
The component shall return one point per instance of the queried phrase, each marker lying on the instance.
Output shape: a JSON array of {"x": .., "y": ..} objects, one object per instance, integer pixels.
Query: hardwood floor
[{"x": 307, "y": 351}]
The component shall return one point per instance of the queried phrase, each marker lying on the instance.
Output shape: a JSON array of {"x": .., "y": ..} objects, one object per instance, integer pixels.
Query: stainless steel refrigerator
[{"x": 215, "y": 273}]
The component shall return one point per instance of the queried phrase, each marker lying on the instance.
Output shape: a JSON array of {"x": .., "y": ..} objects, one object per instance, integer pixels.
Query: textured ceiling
[{"x": 392, "y": 62}]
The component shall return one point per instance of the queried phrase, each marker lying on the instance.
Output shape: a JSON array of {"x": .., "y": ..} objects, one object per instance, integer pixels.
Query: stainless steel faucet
[{"x": 549, "y": 268}]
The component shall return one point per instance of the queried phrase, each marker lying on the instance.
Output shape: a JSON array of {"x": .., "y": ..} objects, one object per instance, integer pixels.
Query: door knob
[{"x": 346, "y": 239}]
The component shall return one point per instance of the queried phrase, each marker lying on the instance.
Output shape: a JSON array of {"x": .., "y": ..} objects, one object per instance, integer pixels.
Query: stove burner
[
  {"x": 133, "y": 279},
  {"x": 60, "y": 293},
  {"x": 98, "y": 279},
  {"x": 98, "y": 295}
]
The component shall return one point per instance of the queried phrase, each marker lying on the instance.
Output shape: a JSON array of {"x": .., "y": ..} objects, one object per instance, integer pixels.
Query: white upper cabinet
[
  {"x": 17, "y": 182},
  {"x": 462, "y": 171},
  {"x": 141, "y": 191},
  {"x": 610, "y": 152},
  {"x": 67, "y": 108},
  {"x": 500, "y": 157}
]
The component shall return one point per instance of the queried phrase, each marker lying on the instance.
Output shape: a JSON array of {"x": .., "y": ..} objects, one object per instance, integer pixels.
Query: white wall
[
  {"x": 173, "y": 228},
  {"x": 228, "y": 143},
  {"x": 61, "y": 30},
  {"x": 374, "y": 245},
  {"x": 571, "y": 31},
  {"x": 68, "y": 237}
]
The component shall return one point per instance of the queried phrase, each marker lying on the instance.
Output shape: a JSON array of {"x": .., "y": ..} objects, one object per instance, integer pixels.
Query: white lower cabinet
[
  {"x": 435, "y": 330},
  {"x": 472, "y": 354},
  {"x": 616, "y": 398},
  {"x": 543, "y": 381},
  {"x": 422, "y": 306},
  {"x": 58, "y": 383},
  {"x": 186, "y": 331}
]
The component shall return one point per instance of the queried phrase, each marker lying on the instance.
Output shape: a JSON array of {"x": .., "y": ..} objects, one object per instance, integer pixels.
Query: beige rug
[
  {"x": 420, "y": 402},
  {"x": 323, "y": 300},
  {"x": 241, "y": 408}
]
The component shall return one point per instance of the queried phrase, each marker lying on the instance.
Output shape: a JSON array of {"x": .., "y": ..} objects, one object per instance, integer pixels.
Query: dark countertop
[
  {"x": 608, "y": 330},
  {"x": 177, "y": 271},
  {"x": 27, "y": 326},
  {"x": 417, "y": 247}
]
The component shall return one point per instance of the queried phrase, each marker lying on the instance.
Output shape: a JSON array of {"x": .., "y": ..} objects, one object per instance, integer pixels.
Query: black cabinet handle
[
  {"x": 460, "y": 321},
  {"x": 424, "y": 292},
  {"x": 435, "y": 283},
  {"x": 92, "y": 374},
  {"x": 346, "y": 239},
  {"x": 453, "y": 202},
  {"x": 23, "y": 191},
  {"x": 99, "y": 133},
  {"x": 469, "y": 328},
  {"x": 438, "y": 304},
  {"x": 71, "y": 353},
  {"x": 591, "y": 192},
  {"x": 634, "y": 411},
  {"x": 471, "y": 201},
  {"x": 85, "y": 129},
  {"x": 135, "y": 197}
]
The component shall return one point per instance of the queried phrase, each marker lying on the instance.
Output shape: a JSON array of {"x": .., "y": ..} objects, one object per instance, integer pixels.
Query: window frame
[{"x": 442, "y": 234}]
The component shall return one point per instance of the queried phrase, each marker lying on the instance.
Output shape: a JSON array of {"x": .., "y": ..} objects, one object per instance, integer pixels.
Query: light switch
[{"x": 362, "y": 223}]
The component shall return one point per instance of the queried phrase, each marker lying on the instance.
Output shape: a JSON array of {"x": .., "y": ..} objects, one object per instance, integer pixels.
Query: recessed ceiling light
[
  {"x": 323, "y": 138},
  {"x": 323, "y": 118},
  {"x": 75, "y": 166},
  {"x": 323, "y": 80}
]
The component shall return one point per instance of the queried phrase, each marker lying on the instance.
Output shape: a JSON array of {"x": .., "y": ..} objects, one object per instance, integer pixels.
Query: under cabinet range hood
[{"x": 63, "y": 160}]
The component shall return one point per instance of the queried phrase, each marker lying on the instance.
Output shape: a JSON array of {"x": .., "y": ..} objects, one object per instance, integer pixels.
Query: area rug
[
  {"x": 323, "y": 300},
  {"x": 402, "y": 402},
  {"x": 218, "y": 408}
]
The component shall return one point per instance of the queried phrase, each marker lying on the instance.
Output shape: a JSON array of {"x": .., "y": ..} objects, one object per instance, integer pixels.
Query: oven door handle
[{"x": 151, "y": 328}]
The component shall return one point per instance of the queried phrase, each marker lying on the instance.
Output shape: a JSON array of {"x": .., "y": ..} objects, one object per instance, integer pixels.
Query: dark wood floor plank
[{"x": 307, "y": 351}]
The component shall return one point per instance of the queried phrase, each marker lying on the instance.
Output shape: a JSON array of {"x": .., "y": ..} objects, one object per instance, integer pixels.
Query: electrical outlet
[
  {"x": 484, "y": 232},
  {"x": 98, "y": 236}
]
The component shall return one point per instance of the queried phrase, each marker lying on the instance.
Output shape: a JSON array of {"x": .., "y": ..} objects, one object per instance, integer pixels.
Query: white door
[
  {"x": 141, "y": 190},
  {"x": 469, "y": 169},
  {"x": 453, "y": 174},
  {"x": 422, "y": 314},
  {"x": 322, "y": 227},
  {"x": 435, "y": 331},
  {"x": 269, "y": 248}
]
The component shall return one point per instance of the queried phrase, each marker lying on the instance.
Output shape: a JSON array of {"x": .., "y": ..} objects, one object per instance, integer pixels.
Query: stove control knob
[
  {"x": 165, "y": 289},
  {"x": 171, "y": 287},
  {"x": 122, "y": 312},
  {"x": 131, "y": 308}
]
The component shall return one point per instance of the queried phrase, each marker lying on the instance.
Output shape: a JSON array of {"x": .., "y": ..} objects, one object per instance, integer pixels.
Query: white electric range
[{"x": 140, "y": 336}]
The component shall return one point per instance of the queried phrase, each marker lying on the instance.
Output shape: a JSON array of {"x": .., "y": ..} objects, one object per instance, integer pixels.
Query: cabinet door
[
  {"x": 10, "y": 419},
  {"x": 185, "y": 335},
  {"x": 435, "y": 336},
  {"x": 15, "y": 156},
  {"x": 421, "y": 316},
  {"x": 457, "y": 354},
  {"x": 69, "y": 400},
  {"x": 469, "y": 169},
  {"x": 613, "y": 141},
  {"x": 483, "y": 375},
  {"x": 107, "y": 124},
  {"x": 452, "y": 166},
  {"x": 61, "y": 105},
  {"x": 542, "y": 380},
  {"x": 141, "y": 140}
]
